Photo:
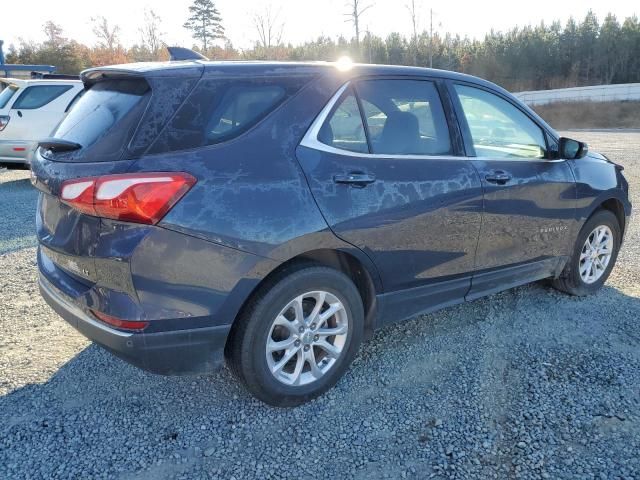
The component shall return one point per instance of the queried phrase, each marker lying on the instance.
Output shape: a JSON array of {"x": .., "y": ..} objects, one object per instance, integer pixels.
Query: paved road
[{"x": 529, "y": 383}]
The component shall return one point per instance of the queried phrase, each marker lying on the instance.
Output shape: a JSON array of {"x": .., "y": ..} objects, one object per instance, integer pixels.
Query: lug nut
[
  {"x": 313, "y": 325},
  {"x": 297, "y": 343},
  {"x": 306, "y": 348},
  {"x": 301, "y": 329},
  {"x": 316, "y": 338}
]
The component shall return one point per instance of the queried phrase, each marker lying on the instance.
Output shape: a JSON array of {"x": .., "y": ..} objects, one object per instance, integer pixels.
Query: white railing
[{"x": 596, "y": 93}]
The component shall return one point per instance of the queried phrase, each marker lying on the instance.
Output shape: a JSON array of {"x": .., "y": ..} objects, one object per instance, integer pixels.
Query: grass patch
[{"x": 567, "y": 115}]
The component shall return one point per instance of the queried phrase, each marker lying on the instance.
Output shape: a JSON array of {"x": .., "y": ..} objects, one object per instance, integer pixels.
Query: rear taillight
[
  {"x": 133, "y": 325},
  {"x": 4, "y": 121},
  {"x": 130, "y": 197}
]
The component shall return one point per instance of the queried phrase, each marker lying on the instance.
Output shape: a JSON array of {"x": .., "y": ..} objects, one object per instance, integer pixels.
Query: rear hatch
[
  {"x": 9, "y": 90},
  {"x": 123, "y": 110}
]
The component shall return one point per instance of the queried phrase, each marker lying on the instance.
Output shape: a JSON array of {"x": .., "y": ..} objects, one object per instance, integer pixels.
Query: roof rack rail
[{"x": 181, "y": 53}]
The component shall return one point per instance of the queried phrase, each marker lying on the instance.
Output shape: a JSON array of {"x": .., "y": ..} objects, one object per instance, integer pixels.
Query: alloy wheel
[
  {"x": 596, "y": 254},
  {"x": 307, "y": 338}
]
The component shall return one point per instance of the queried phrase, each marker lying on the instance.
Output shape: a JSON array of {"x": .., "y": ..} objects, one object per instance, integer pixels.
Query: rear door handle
[
  {"x": 498, "y": 177},
  {"x": 357, "y": 179}
]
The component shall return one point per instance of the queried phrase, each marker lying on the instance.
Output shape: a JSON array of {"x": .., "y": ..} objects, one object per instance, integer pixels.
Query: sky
[{"x": 303, "y": 19}]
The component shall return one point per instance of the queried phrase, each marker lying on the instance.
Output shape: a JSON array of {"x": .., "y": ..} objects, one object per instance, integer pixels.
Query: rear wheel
[
  {"x": 594, "y": 255},
  {"x": 298, "y": 336}
]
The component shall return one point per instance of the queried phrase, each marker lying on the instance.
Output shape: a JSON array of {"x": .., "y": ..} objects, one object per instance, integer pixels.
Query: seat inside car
[{"x": 400, "y": 135}]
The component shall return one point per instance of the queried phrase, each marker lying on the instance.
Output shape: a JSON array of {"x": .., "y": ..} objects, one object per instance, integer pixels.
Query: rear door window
[
  {"x": 38, "y": 96},
  {"x": 344, "y": 128},
  {"x": 6, "y": 94},
  {"x": 404, "y": 117}
]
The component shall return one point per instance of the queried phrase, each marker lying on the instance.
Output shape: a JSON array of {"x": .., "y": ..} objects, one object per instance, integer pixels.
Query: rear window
[
  {"x": 99, "y": 109},
  {"x": 220, "y": 110},
  {"x": 102, "y": 107},
  {"x": 6, "y": 94},
  {"x": 38, "y": 96},
  {"x": 74, "y": 100}
]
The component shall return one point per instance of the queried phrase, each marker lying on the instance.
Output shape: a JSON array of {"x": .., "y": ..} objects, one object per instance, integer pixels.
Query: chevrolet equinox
[{"x": 276, "y": 214}]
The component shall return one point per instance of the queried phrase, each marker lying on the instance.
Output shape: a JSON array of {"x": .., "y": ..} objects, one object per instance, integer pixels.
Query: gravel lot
[{"x": 529, "y": 383}]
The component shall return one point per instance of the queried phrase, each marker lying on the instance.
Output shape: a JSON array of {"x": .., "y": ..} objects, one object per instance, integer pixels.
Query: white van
[{"x": 29, "y": 111}]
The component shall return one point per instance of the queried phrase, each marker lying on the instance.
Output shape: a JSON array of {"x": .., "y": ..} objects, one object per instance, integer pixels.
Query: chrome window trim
[
  {"x": 518, "y": 159},
  {"x": 310, "y": 140}
]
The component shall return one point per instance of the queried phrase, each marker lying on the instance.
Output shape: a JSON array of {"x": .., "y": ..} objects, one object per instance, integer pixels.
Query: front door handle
[
  {"x": 357, "y": 179},
  {"x": 498, "y": 177}
]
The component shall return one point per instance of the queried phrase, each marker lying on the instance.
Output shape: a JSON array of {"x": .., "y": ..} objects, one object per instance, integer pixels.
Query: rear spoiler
[
  {"x": 58, "y": 145},
  {"x": 13, "y": 81},
  {"x": 184, "y": 63}
]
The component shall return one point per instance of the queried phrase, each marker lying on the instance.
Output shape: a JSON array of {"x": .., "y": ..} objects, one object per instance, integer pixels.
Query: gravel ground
[{"x": 529, "y": 383}]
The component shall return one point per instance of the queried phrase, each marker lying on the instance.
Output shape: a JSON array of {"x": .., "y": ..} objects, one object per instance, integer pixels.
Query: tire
[
  {"x": 266, "y": 318},
  {"x": 571, "y": 281}
]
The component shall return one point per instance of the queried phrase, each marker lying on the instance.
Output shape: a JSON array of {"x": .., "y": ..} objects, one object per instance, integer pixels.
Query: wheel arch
[
  {"x": 611, "y": 203},
  {"x": 363, "y": 276},
  {"x": 616, "y": 207}
]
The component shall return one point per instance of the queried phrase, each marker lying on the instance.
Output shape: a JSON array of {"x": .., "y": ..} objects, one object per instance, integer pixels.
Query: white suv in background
[{"x": 29, "y": 111}]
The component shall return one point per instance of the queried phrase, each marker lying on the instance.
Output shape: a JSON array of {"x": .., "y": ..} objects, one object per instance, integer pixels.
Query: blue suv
[{"x": 276, "y": 214}]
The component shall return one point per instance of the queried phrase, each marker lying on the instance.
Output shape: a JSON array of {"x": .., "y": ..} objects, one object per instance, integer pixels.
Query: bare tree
[
  {"x": 53, "y": 32},
  {"x": 356, "y": 10},
  {"x": 269, "y": 28},
  {"x": 107, "y": 35},
  {"x": 151, "y": 33},
  {"x": 413, "y": 12}
]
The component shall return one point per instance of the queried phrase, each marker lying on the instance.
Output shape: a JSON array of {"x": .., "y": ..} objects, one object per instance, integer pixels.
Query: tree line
[{"x": 545, "y": 56}]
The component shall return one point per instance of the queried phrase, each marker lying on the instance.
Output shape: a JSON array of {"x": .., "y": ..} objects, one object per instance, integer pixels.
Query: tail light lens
[
  {"x": 4, "y": 121},
  {"x": 135, "y": 197},
  {"x": 133, "y": 325}
]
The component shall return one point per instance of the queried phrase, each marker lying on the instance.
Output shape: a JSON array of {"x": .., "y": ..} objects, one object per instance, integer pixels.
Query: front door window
[{"x": 499, "y": 129}]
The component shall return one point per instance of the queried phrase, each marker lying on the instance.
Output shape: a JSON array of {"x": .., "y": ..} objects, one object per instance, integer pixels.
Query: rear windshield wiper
[{"x": 58, "y": 145}]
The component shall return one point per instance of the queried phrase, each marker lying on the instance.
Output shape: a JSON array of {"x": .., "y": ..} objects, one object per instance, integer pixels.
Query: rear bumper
[
  {"x": 16, "y": 151},
  {"x": 193, "y": 351}
]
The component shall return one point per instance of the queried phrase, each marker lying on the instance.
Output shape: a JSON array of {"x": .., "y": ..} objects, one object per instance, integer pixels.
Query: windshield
[{"x": 6, "y": 94}]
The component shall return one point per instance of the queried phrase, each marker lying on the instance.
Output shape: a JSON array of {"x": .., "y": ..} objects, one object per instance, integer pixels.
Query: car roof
[
  {"x": 211, "y": 67},
  {"x": 150, "y": 68},
  {"x": 345, "y": 70}
]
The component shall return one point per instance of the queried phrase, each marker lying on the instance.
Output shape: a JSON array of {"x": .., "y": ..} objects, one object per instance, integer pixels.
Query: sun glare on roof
[{"x": 344, "y": 63}]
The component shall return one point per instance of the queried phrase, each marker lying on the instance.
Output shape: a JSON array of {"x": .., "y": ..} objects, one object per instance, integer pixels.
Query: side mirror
[{"x": 572, "y": 149}]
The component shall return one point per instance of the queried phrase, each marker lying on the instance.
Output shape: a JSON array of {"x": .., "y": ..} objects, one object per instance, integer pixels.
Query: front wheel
[
  {"x": 298, "y": 336},
  {"x": 594, "y": 255}
]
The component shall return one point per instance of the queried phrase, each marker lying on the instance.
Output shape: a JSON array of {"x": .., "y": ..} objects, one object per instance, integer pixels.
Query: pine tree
[{"x": 205, "y": 22}]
